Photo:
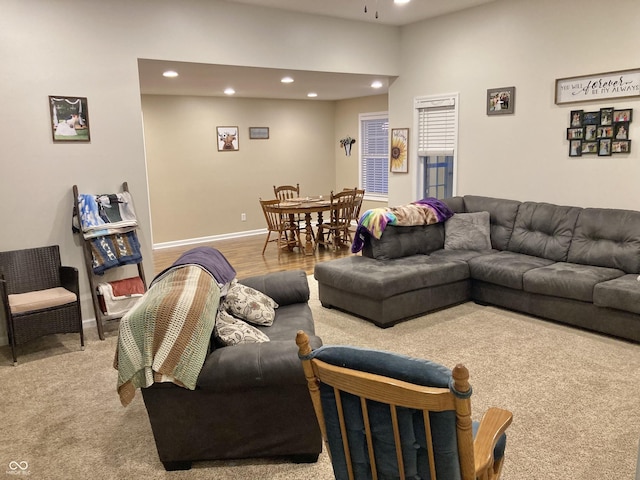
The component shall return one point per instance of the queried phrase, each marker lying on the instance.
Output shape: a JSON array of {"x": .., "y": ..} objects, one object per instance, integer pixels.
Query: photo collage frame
[{"x": 604, "y": 132}]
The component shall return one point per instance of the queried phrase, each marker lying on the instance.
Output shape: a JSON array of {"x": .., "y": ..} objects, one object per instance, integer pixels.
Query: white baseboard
[{"x": 213, "y": 238}]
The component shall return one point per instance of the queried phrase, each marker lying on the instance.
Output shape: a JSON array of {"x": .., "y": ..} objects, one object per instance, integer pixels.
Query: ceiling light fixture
[
  {"x": 376, "y": 84},
  {"x": 401, "y": 2},
  {"x": 287, "y": 80},
  {"x": 229, "y": 91},
  {"x": 170, "y": 74},
  {"x": 312, "y": 94}
]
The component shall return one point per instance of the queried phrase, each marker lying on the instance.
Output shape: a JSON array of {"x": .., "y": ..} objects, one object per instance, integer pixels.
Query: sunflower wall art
[{"x": 399, "y": 162}]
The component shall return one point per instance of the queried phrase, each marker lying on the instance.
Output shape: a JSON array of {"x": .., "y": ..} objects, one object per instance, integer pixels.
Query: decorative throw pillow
[
  {"x": 229, "y": 330},
  {"x": 468, "y": 231},
  {"x": 250, "y": 305}
]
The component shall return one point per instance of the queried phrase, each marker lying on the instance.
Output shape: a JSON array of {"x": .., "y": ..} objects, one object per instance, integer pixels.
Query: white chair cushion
[{"x": 39, "y": 299}]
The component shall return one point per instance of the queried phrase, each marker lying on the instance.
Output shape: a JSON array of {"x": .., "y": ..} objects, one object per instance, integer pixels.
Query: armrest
[
  {"x": 285, "y": 288},
  {"x": 274, "y": 363},
  {"x": 69, "y": 279},
  {"x": 493, "y": 424}
]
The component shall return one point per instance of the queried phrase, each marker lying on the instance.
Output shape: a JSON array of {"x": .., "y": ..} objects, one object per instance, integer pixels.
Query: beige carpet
[{"x": 574, "y": 395}]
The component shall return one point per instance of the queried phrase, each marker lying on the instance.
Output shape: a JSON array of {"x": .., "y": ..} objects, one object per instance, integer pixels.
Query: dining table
[{"x": 306, "y": 206}]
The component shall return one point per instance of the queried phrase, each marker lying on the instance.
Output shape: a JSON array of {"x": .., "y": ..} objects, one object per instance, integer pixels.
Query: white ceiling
[
  {"x": 250, "y": 82},
  {"x": 388, "y": 12}
]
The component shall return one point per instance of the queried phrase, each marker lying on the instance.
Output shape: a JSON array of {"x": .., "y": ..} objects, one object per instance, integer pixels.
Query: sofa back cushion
[
  {"x": 399, "y": 242},
  {"x": 544, "y": 230},
  {"x": 503, "y": 215},
  {"x": 607, "y": 238}
]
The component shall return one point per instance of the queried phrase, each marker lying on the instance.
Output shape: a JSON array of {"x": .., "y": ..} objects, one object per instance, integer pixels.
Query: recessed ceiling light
[
  {"x": 312, "y": 94},
  {"x": 287, "y": 80},
  {"x": 170, "y": 74},
  {"x": 401, "y": 1},
  {"x": 376, "y": 84},
  {"x": 229, "y": 91}
]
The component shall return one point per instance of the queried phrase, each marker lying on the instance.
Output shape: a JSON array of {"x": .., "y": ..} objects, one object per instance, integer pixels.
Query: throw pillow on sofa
[
  {"x": 250, "y": 305},
  {"x": 468, "y": 231},
  {"x": 229, "y": 330}
]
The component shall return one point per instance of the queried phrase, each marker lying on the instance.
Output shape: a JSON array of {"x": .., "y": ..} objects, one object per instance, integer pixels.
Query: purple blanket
[{"x": 211, "y": 259}]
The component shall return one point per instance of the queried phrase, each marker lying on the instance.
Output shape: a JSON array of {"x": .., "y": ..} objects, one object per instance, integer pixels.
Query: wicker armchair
[{"x": 39, "y": 296}]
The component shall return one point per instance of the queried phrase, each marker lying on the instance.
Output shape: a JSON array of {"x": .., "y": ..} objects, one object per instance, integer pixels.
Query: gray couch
[
  {"x": 251, "y": 400},
  {"x": 574, "y": 265}
]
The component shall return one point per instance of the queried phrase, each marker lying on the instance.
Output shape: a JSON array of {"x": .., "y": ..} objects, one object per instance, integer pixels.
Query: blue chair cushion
[{"x": 411, "y": 424}]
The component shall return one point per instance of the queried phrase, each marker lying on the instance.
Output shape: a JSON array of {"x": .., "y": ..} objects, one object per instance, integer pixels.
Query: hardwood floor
[{"x": 244, "y": 254}]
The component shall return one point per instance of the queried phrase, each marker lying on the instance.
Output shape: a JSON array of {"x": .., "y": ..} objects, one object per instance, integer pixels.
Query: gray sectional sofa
[{"x": 578, "y": 266}]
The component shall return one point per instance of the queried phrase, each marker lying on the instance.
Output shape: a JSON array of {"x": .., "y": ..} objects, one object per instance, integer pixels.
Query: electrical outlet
[{"x": 243, "y": 217}]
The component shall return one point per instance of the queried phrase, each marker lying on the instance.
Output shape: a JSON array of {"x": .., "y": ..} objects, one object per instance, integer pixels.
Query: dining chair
[
  {"x": 288, "y": 192},
  {"x": 287, "y": 232},
  {"x": 335, "y": 231},
  {"x": 357, "y": 206},
  {"x": 39, "y": 296},
  {"x": 385, "y": 415}
]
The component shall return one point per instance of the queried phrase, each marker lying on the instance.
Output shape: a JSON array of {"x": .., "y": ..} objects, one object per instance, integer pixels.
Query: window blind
[
  {"x": 374, "y": 154},
  {"x": 436, "y": 126}
]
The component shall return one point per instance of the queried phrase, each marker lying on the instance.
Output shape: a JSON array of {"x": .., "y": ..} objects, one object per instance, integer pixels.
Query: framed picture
[
  {"x": 501, "y": 101},
  {"x": 69, "y": 119},
  {"x": 589, "y": 147},
  {"x": 399, "y": 161},
  {"x": 591, "y": 118},
  {"x": 575, "y": 133},
  {"x": 599, "y": 86},
  {"x": 621, "y": 146},
  {"x": 259, "y": 133},
  {"x": 590, "y": 132},
  {"x": 621, "y": 131},
  {"x": 604, "y": 147},
  {"x": 575, "y": 148},
  {"x": 606, "y": 116},
  {"x": 605, "y": 132},
  {"x": 576, "y": 118},
  {"x": 622, "y": 115},
  {"x": 228, "y": 139}
]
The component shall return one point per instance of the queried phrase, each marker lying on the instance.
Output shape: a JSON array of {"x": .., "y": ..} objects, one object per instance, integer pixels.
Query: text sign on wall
[{"x": 625, "y": 83}]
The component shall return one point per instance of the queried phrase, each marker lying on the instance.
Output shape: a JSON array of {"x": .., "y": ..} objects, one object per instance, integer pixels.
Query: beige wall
[
  {"x": 526, "y": 44},
  {"x": 198, "y": 192}
]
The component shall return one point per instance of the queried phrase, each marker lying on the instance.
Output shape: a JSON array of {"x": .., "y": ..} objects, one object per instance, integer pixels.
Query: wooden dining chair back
[
  {"x": 357, "y": 206},
  {"x": 39, "y": 296},
  {"x": 386, "y": 415},
  {"x": 287, "y": 232},
  {"x": 286, "y": 192},
  {"x": 335, "y": 231}
]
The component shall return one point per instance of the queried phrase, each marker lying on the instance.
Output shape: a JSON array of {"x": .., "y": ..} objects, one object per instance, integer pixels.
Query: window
[
  {"x": 374, "y": 154},
  {"x": 437, "y": 118}
]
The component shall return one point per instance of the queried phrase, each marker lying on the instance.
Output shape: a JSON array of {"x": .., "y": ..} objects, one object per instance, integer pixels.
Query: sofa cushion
[
  {"x": 503, "y": 215},
  {"x": 504, "y": 268},
  {"x": 229, "y": 330},
  {"x": 607, "y": 238},
  {"x": 399, "y": 241},
  {"x": 468, "y": 231},
  {"x": 249, "y": 304},
  {"x": 622, "y": 293},
  {"x": 543, "y": 230},
  {"x": 385, "y": 278},
  {"x": 568, "y": 280}
]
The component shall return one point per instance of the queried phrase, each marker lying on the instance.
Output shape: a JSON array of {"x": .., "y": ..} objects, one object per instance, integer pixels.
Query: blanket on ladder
[
  {"x": 422, "y": 212},
  {"x": 165, "y": 336}
]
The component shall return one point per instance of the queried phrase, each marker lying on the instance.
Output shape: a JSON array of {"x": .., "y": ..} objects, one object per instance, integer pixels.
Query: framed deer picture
[{"x": 228, "y": 139}]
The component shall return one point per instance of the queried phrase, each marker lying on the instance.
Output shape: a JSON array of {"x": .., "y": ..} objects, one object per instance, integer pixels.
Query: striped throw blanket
[
  {"x": 423, "y": 212},
  {"x": 165, "y": 336}
]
